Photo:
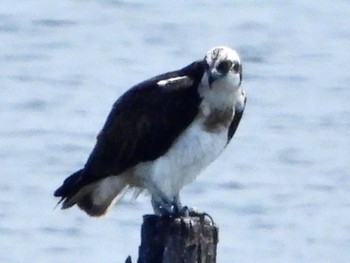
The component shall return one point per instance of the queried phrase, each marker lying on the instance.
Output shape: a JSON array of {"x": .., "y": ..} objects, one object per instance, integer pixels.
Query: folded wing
[{"x": 142, "y": 126}]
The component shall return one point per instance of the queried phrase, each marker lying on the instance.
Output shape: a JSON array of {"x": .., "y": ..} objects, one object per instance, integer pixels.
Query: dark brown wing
[
  {"x": 142, "y": 126},
  {"x": 236, "y": 120}
]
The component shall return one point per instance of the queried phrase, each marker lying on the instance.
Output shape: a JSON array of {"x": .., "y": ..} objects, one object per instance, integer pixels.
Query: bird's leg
[
  {"x": 176, "y": 204},
  {"x": 163, "y": 205},
  {"x": 173, "y": 208}
]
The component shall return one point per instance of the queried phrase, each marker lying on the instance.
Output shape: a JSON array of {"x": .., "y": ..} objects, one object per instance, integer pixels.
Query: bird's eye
[
  {"x": 224, "y": 66},
  {"x": 236, "y": 66}
]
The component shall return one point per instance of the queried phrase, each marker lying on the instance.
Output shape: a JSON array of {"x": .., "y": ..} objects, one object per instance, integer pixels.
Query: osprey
[{"x": 161, "y": 134}]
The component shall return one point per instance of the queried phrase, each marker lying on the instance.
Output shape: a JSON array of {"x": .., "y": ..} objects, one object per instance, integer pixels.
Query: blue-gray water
[{"x": 280, "y": 192}]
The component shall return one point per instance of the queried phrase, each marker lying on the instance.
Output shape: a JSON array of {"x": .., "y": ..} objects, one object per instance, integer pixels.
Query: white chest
[{"x": 191, "y": 153}]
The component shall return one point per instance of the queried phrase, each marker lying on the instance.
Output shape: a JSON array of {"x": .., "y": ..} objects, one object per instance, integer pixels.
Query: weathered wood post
[{"x": 190, "y": 239}]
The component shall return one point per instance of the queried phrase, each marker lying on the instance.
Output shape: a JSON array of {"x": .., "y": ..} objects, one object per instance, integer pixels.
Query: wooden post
[{"x": 177, "y": 240}]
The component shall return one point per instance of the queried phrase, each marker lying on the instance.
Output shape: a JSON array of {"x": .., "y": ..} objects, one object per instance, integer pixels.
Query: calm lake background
[{"x": 281, "y": 190}]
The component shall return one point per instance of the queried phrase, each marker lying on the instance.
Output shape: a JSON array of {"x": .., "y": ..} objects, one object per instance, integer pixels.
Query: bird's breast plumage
[{"x": 199, "y": 145}]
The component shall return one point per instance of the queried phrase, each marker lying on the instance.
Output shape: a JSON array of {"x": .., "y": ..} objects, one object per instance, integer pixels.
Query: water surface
[{"x": 280, "y": 192}]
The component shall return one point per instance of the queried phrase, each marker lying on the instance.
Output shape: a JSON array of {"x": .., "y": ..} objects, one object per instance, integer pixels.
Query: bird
[{"x": 160, "y": 135}]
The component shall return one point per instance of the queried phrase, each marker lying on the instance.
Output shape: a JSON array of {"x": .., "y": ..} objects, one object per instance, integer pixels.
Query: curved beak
[{"x": 213, "y": 75}]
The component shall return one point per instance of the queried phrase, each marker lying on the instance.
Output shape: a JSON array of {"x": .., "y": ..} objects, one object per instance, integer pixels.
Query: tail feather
[
  {"x": 69, "y": 185},
  {"x": 96, "y": 200},
  {"x": 93, "y": 198}
]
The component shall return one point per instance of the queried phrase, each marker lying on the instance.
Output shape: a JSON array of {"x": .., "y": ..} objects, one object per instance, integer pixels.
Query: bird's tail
[
  {"x": 70, "y": 187},
  {"x": 93, "y": 198}
]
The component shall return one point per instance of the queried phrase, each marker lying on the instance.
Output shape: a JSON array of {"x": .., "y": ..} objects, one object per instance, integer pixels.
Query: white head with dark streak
[{"x": 223, "y": 77}]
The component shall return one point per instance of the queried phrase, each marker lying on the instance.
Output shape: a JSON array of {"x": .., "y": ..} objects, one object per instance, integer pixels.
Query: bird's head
[{"x": 223, "y": 66}]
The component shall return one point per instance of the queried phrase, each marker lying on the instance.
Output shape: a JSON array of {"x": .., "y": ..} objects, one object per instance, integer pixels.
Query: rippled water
[{"x": 280, "y": 192}]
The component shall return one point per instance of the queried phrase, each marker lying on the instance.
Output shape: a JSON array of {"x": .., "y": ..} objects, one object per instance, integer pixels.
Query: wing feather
[
  {"x": 142, "y": 125},
  {"x": 236, "y": 120}
]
